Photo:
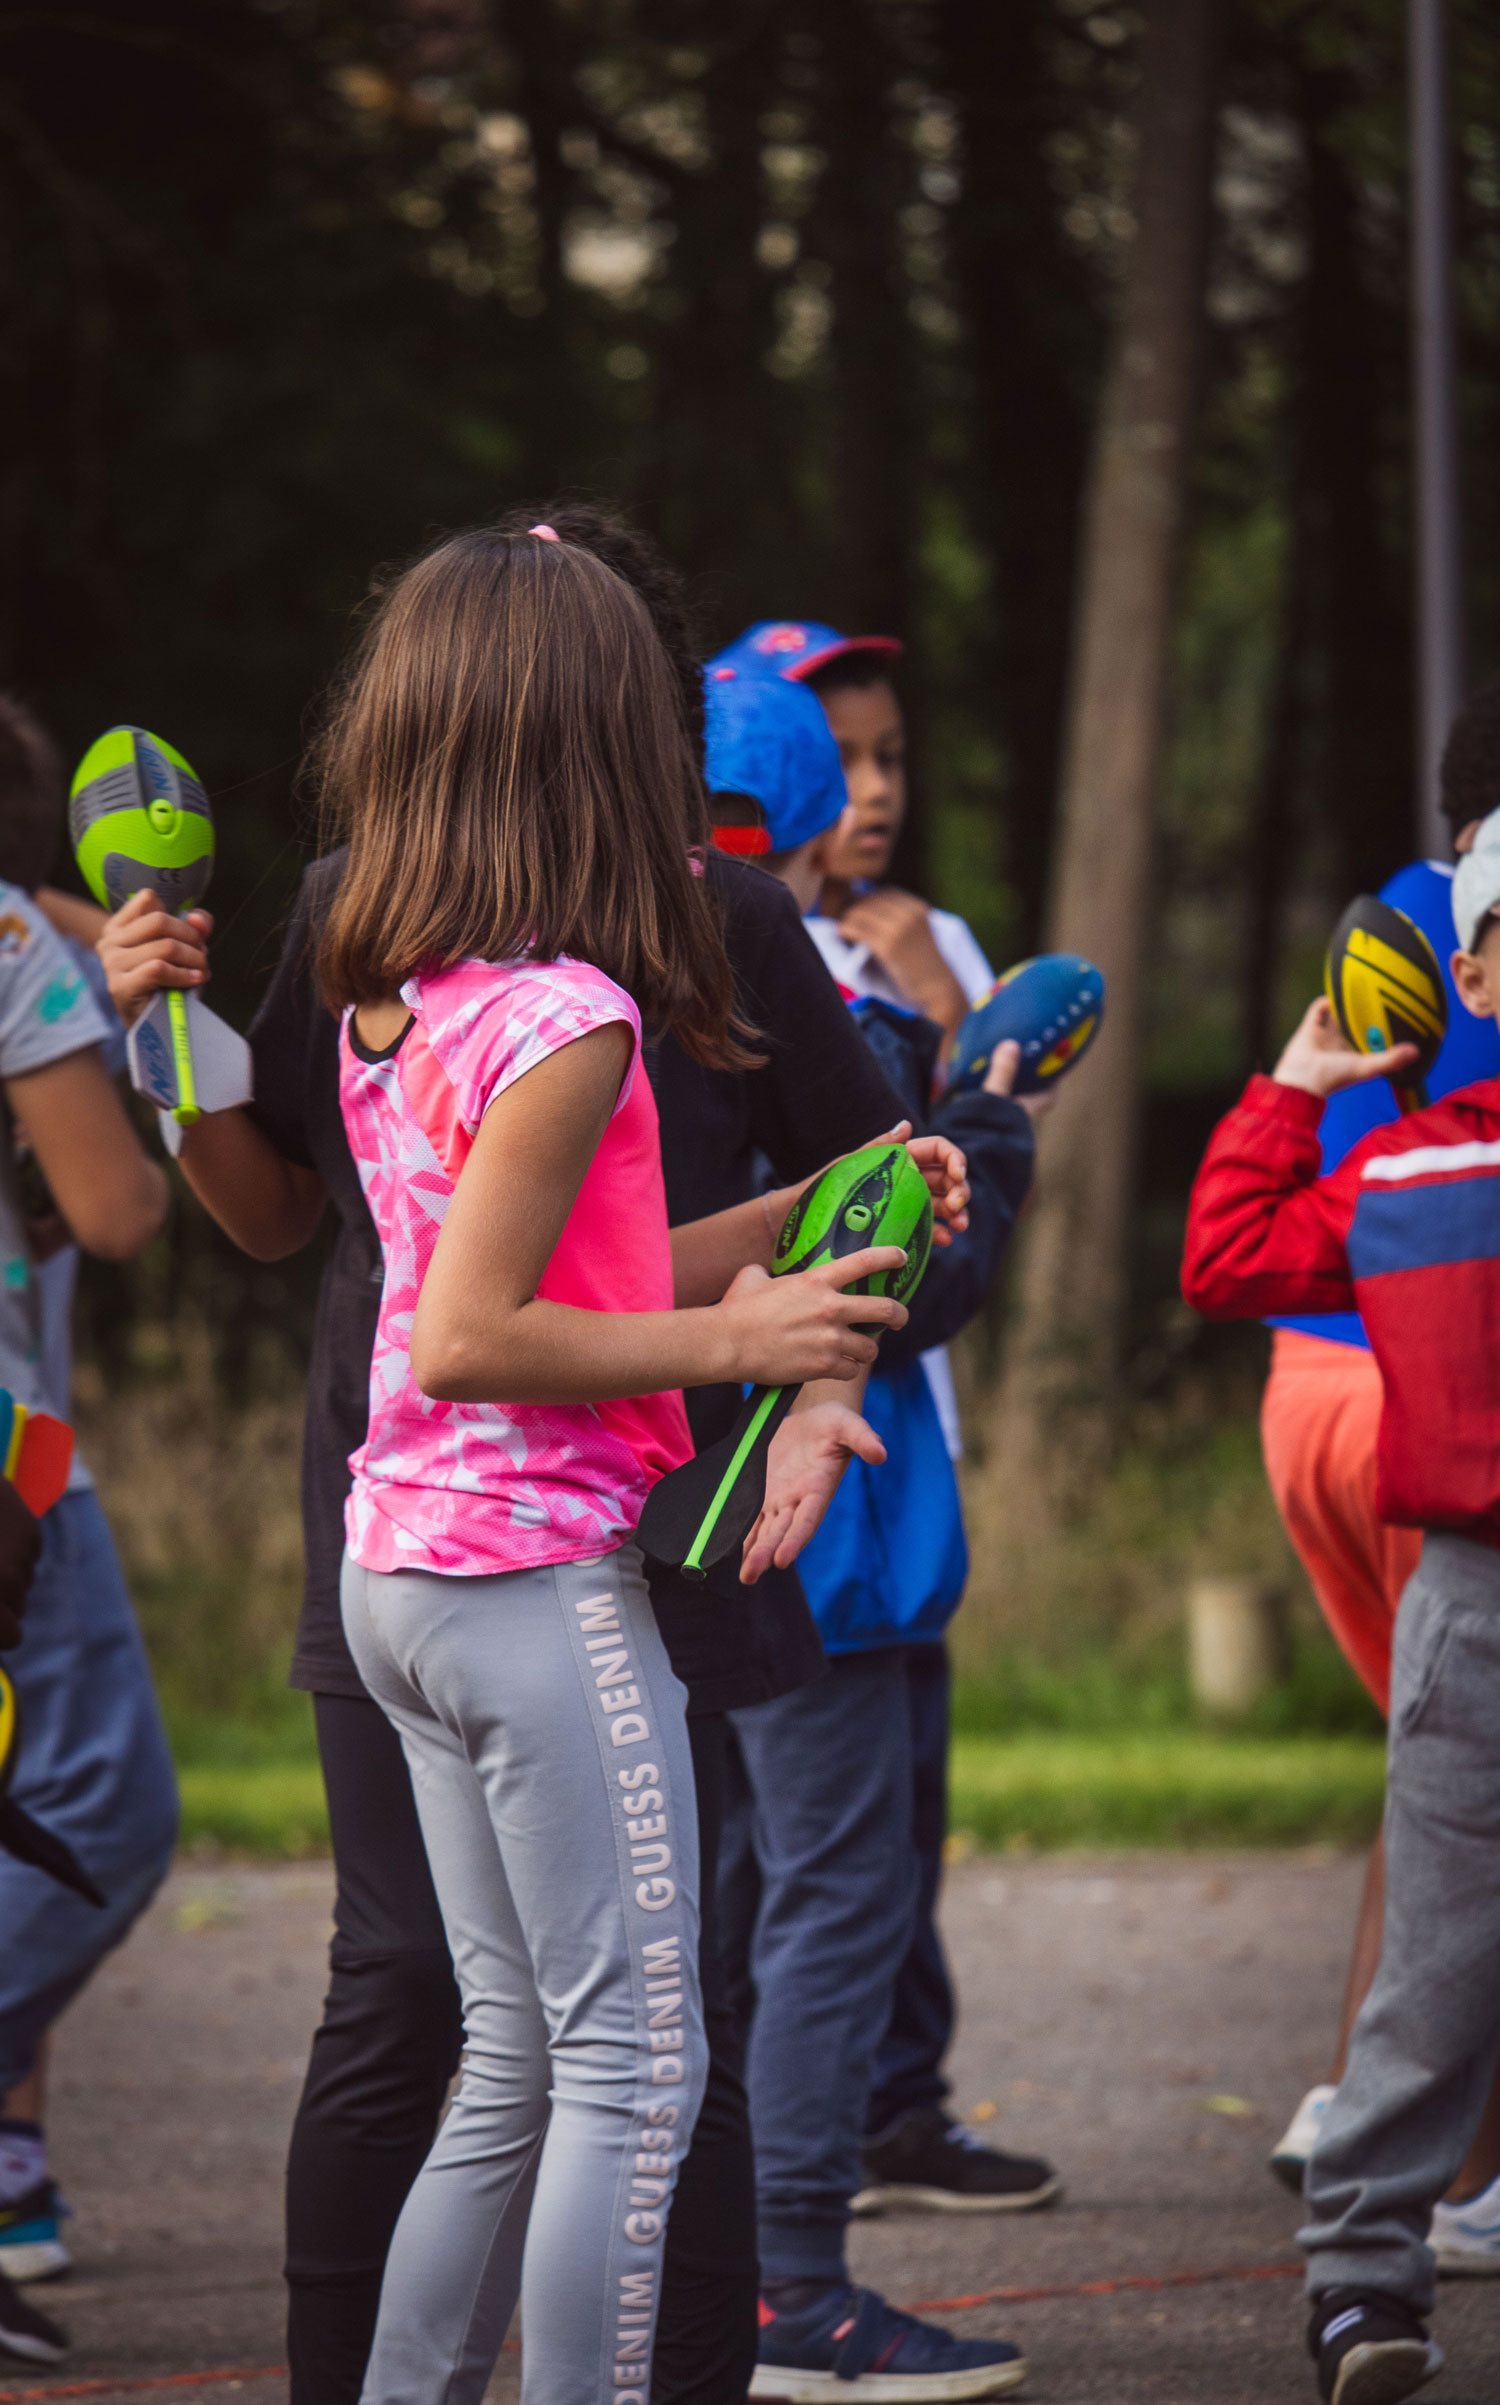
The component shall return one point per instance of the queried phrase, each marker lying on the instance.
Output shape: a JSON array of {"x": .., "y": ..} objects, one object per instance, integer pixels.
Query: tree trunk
[
  {"x": 1340, "y": 742},
  {"x": 1271, "y": 846},
  {"x": 550, "y": 384},
  {"x": 877, "y": 458},
  {"x": 1355, "y": 460},
  {"x": 1030, "y": 344},
  {"x": 1054, "y": 1404},
  {"x": 719, "y": 454}
]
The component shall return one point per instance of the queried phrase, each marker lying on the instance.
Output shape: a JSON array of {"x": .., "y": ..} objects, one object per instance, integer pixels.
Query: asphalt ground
[{"x": 1147, "y": 2021}]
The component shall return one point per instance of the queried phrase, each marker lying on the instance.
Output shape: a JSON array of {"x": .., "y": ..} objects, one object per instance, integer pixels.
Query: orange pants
[{"x": 1318, "y": 1425}]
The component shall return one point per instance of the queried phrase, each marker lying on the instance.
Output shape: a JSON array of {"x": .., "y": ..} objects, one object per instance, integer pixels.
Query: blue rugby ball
[{"x": 1053, "y": 1007}]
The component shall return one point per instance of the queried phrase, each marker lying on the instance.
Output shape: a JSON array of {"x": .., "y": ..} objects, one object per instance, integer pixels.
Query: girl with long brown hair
[{"x": 510, "y": 768}]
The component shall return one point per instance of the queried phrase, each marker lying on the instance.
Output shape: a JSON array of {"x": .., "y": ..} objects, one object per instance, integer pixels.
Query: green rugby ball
[
  {"x": 138, "y": 816},
  {"x": 877, "y": 1196}
]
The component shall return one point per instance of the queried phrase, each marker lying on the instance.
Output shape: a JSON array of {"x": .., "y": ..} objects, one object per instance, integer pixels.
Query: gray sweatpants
[
  {"x": 1424, "y": 2047},
  {"x": 548, "y": 1748}
]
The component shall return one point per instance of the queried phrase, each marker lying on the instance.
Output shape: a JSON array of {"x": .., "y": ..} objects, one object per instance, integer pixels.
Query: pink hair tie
[{"x": 544, "y": 534}]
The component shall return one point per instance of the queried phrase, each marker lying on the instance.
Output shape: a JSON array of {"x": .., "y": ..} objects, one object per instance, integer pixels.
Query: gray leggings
[{"x": 548, "y": 1748}]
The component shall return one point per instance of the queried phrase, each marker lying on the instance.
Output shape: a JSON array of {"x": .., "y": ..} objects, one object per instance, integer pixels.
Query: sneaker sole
[
  {"x": 1289, "y": 2169},
  {"x": 1382, "y": 2373},
  {"x": 30, "y": 2349},
  {"x": 1458, "y": 2266},
  {"x": 886, "y": 2388},
  {"x": 873, "y": 2201},
  {"x": 33, "y": 2259}
]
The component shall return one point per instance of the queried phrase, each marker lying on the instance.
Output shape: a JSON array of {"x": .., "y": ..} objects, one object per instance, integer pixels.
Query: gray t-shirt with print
[{"x": 46, "y": 1012}]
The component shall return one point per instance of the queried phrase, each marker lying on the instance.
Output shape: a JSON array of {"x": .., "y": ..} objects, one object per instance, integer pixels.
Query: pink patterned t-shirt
[{"x": 469, "y": 1489}]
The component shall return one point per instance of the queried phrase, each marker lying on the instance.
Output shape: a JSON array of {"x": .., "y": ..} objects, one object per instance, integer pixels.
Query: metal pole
[{"x": 1438, "y": 546}]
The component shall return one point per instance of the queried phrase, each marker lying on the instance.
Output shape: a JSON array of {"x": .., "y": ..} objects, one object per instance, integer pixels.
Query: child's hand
[
  {"x": 808, "y": 1456},
  {"x": 897, "y": 928},
  {"x": 786, "y": 1331},
  {"x": 1320, "y": 1061},
  {"x": 946, "y": 1169},
  {"x": 145, "y": 947},
  {"x": 1000, "y": 1078}
]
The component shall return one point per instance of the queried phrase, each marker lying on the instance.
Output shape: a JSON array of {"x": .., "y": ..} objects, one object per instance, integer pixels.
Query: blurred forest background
[{"x": 820, "y": 291}]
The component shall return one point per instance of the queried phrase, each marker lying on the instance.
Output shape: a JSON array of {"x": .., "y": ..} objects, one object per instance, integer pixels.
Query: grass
[
  {"x": 1176, "y": 1787},
  {"x": 250, "y": 1782},
  {"x": 273, "y": 1809},
  {"x": 1032, "y": 1790}
]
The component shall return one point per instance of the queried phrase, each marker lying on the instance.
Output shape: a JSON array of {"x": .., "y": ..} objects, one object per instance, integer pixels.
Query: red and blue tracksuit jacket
[{"x": 1406, "y": 1230}]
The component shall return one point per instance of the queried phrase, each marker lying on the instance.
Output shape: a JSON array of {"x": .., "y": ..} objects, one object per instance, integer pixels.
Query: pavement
[{"x": 1147, "y": 2021}]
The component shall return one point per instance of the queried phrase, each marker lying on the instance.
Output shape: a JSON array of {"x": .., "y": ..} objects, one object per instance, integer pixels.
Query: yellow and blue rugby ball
[{"x": 1386, "y": 986}]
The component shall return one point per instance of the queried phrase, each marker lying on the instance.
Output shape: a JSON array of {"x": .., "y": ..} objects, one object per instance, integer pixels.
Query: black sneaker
[
  {"x": 926, "y": 2162},
  {"x": 25, "y": 2332},
  {"x": 1369, "y": 2347}
]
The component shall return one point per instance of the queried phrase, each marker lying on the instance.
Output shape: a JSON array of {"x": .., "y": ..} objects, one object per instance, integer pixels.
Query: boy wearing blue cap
[
  {"x": 822, "y": 1884},
  {"x": 775, "y": 781},
  {"x": 892, "y": 955},
  {"x": 875, "y": 938}
]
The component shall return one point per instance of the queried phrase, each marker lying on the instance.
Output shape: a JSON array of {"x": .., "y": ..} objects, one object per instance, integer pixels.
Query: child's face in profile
[
  {"x": 871, "y": 735},
  {"x": 1477, "y": 974}
]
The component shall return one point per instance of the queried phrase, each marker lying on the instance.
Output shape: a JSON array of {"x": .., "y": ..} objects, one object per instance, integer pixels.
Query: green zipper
[{"x": 742, "y": 1452}]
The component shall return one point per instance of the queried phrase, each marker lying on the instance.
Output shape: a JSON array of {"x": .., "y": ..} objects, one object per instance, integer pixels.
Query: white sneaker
[
  {"x": 31, "y": 2246},
  {"x": 1289, "y": 2156},
  {"x": 1466, "y": 2238}
]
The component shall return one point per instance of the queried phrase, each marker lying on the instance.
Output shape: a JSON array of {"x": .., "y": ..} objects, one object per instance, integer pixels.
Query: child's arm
[
  {"x": 482, "y": 1333},
  {"x": 112, "y": 1198},
  {"x": 268, "y": 1205},
  {"x": 1265, "y": 1231},
  {"x": 84, "y": 922}
]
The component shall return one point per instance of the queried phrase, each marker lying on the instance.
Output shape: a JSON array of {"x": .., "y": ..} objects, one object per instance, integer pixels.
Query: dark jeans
[
  {"x": 94, "y": 1768},
  {"x": 817, "y": 1892},
  {"x": 382, "y": 2061},
  {"x": 909, "y": 2066}
]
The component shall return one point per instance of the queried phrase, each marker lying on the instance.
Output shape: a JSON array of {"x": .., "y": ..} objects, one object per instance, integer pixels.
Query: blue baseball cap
[
  {"x": 794, "y": 648},
  {"x": 767, "y": 739}
]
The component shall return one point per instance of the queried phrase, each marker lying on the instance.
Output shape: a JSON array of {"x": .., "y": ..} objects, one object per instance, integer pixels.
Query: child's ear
[{"x": 1471, "y": 975}]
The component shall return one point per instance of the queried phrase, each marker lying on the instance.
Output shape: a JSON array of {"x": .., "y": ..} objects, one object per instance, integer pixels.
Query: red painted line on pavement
[
  {"x": 1031, "y": 2296},
  {"x": 120, "y": 2388},
  {"x": 926, "y": 2304}
]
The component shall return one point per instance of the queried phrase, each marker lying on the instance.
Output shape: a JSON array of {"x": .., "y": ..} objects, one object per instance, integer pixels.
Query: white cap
[{"x": 1476, "y": 882}]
